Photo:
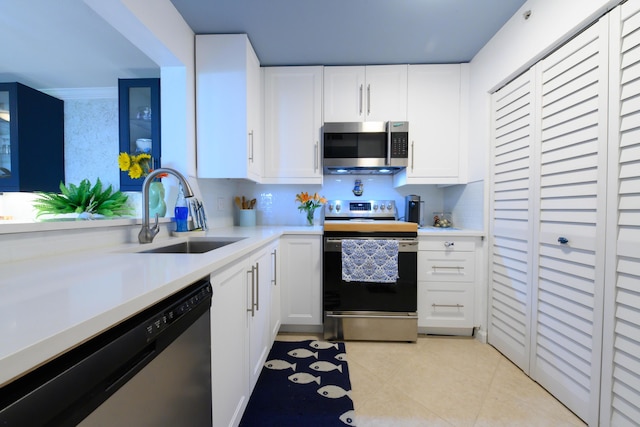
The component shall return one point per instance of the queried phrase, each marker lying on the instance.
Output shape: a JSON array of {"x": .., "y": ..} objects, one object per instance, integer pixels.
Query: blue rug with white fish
[{"x": 303, "y": 383}]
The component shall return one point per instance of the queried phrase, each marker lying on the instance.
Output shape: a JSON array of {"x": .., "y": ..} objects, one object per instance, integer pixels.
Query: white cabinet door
[
  {"x": 229, "y": 332},
  {"x": 258, "y": 314},
  {"x": 293, "y": 122},
  {"x": 365, "y": 93},
  {"x": 621, "y": 363},
  {"x": 511, "y": 220},
  {"x": 435, "y": 123},
  {"x": 301, "y": 279},
  {"x": 344, "y": 94},
  {"x": 228, "y": 99}
]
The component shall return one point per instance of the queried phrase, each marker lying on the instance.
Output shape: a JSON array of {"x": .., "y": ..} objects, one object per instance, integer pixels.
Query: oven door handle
[{"x": 373, "y": 316}]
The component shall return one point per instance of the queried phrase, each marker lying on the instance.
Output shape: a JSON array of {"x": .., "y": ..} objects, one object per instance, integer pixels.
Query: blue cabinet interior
[{"x": 36, "y": 140}]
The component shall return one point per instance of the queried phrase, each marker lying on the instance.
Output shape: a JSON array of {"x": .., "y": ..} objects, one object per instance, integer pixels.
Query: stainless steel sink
[{"x": 193, "y": 246}]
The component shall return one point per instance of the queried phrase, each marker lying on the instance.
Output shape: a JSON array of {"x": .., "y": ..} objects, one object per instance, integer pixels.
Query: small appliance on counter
[{"x": 414, "y": 210}]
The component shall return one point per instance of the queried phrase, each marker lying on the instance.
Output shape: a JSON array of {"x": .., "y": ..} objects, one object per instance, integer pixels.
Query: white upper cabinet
[
  {"x": 365, "y": 93},
  {"x": 228, "y": 107},
  {"x": 293, "y": 122},
  {"x": 437, "y": 137}
]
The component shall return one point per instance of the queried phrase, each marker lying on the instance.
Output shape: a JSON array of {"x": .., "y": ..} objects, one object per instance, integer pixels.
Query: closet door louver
[
  {"x": 569, "y": 263},
  {"x": 510, "y": 273},
  {"x": 621, "y": 355}
]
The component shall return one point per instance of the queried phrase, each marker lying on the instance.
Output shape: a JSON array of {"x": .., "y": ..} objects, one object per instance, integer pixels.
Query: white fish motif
[
  {"x": 322, "y": 345},
  {"x": 349, "y": 418},
  {"x": 303, "y": 378},
  {"x": 341, "y": 357},
  {"x": 279, "y": 365},
  {"x": 334, "y": 392},
  {"x": 302, "y": 353},
  {"x": 325, "y": 366}
]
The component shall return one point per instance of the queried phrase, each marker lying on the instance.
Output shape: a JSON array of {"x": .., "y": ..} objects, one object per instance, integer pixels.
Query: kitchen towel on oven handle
[{"x": 370, "y": 260}]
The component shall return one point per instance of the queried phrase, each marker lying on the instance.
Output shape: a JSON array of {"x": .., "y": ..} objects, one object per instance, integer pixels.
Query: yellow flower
[
  {"x": 124, "y": 161},
  {"x": 135, "y": 171},
  {"x": 137, "y": 165}
]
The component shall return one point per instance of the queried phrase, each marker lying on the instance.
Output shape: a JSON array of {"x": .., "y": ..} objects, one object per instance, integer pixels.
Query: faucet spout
[{"x": 147, "y": 233}]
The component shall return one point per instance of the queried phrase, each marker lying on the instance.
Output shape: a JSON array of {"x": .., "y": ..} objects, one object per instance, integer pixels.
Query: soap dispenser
[{"x": 181, "y": 212}]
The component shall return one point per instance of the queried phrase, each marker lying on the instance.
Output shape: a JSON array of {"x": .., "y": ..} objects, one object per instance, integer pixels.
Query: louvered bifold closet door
[
  {"x": 510, "y": 224},
  {"x": 621, "y": 355},
  {"x": 569, "y": 263}
]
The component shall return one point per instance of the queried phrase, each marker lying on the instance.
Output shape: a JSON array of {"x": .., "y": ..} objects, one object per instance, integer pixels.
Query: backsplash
[{"x": 276, "y": 203}]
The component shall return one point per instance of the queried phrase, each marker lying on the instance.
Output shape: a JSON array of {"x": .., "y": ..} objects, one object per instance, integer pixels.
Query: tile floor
[{"x": 444, "y": 382}]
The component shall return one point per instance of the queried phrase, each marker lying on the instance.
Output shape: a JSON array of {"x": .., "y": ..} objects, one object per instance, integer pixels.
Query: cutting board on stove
[{"x": 371, "y": 226}]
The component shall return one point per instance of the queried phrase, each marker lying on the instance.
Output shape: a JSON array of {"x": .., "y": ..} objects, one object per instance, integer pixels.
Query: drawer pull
[
  {"x": 563, "y": 240},
  {"x": 434, "y": 305},
  {"x": 448, "y": 244},
  {"x": 458, "y": 268}
]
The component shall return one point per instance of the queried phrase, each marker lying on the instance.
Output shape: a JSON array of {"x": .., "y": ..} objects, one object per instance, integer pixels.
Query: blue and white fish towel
[{"x": 370, "y": 261}]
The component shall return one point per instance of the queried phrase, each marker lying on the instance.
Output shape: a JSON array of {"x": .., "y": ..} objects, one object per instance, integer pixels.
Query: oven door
[{"x": 365, "y": 296}]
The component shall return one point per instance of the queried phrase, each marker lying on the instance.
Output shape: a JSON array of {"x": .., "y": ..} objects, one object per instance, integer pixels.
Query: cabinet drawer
[
  {"x": 446, "y": 266},
  {"x": 445, "y": 306},
  {"x": 451, "y": 244}
]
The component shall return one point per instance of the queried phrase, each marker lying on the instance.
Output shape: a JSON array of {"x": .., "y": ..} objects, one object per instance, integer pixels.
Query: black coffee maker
[{"x": 412, "y": 209}]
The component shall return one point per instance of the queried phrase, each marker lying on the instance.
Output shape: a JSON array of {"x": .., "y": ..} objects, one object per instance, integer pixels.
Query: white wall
[{"x": 516, "y": 47}]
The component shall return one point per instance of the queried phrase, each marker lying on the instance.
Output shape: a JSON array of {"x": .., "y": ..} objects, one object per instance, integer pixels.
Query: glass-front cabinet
[
  {"x": 139, "y": 110},
  {"x": 31, "y": 139}
]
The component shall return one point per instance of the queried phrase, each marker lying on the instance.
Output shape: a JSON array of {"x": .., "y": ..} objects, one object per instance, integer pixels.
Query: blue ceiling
[{"x": 349, "y": 32}]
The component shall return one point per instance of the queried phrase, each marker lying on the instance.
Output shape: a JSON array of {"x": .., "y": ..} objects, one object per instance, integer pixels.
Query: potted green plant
[{"x": 87, "y": 201}]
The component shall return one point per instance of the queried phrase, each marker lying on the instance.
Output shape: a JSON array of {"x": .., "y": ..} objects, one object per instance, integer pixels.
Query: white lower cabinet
[
  {"x": 301, "y": 280},
  {"x": 241, "y": 331},
  {"x": 446, "y": 284},
  {"x": 229, "y": 331}
]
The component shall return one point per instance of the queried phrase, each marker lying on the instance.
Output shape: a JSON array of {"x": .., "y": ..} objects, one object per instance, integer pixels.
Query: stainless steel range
[{"x": 370, "y": 285}]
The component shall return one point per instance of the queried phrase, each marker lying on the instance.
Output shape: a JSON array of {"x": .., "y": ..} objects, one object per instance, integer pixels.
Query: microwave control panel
[{"x": 400, "y": 145}]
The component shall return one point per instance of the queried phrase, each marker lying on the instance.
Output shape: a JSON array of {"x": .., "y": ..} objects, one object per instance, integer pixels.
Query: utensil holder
[{"x": 247, "y": 217}]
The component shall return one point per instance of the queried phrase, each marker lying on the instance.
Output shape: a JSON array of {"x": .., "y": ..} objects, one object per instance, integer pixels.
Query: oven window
[{"x": 359, "y": 296}]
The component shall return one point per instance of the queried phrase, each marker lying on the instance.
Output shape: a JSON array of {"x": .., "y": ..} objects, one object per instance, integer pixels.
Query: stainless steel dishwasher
[{"x": 153, "y": 369}]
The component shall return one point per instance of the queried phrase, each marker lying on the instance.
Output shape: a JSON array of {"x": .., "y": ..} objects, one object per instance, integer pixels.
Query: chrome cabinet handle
[
  {"x": 316, "y": 156},
  {"x": 253, "y": 293},
  {"x": 563, "y": 240},
  {"x": 412, "y": 154},
  {"x": 275, "y": 267},
  {"x": 448, "y": 244},
  {"x": 447, "y": 267},
  {"x": 251, "y": 146},
  {"x": 257, "y": 273},
  {"x": 368, "y": 99},
  {"x": 360, "y": 102},
  {"x": 434, "y": 305}
]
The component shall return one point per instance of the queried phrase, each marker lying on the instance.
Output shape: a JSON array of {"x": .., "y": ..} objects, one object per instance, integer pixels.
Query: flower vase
[
  {"x": 310, "y": 213},
  {"x": 157, "y": 204}
]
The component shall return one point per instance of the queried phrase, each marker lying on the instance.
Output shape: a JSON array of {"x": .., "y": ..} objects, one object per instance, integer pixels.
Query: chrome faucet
[{"x": 147, "y": 233}]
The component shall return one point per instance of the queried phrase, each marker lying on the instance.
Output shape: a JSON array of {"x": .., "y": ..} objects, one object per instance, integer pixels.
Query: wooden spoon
[{"x": 238, "y": 203}]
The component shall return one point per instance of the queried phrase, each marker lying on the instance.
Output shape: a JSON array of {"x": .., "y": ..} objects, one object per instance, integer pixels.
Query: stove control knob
[
  {"x": 382, "y": 207},
  {"x": 375, "y": 207},
  {"x": 338, "y": 208},
  {"x": 330, "y": 208},
  {"x": 389, "y": 206}
]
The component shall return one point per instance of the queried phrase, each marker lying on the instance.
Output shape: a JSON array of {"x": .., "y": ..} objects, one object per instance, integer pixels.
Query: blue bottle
[{"x": 181, "y": 212}]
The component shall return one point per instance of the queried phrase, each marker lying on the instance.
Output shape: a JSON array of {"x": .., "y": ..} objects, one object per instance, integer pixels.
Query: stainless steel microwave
[{"x": 365, "y": 147}]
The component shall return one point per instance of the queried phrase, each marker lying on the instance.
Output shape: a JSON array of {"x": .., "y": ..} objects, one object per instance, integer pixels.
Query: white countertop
[{"x": 50, "y": 305}]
